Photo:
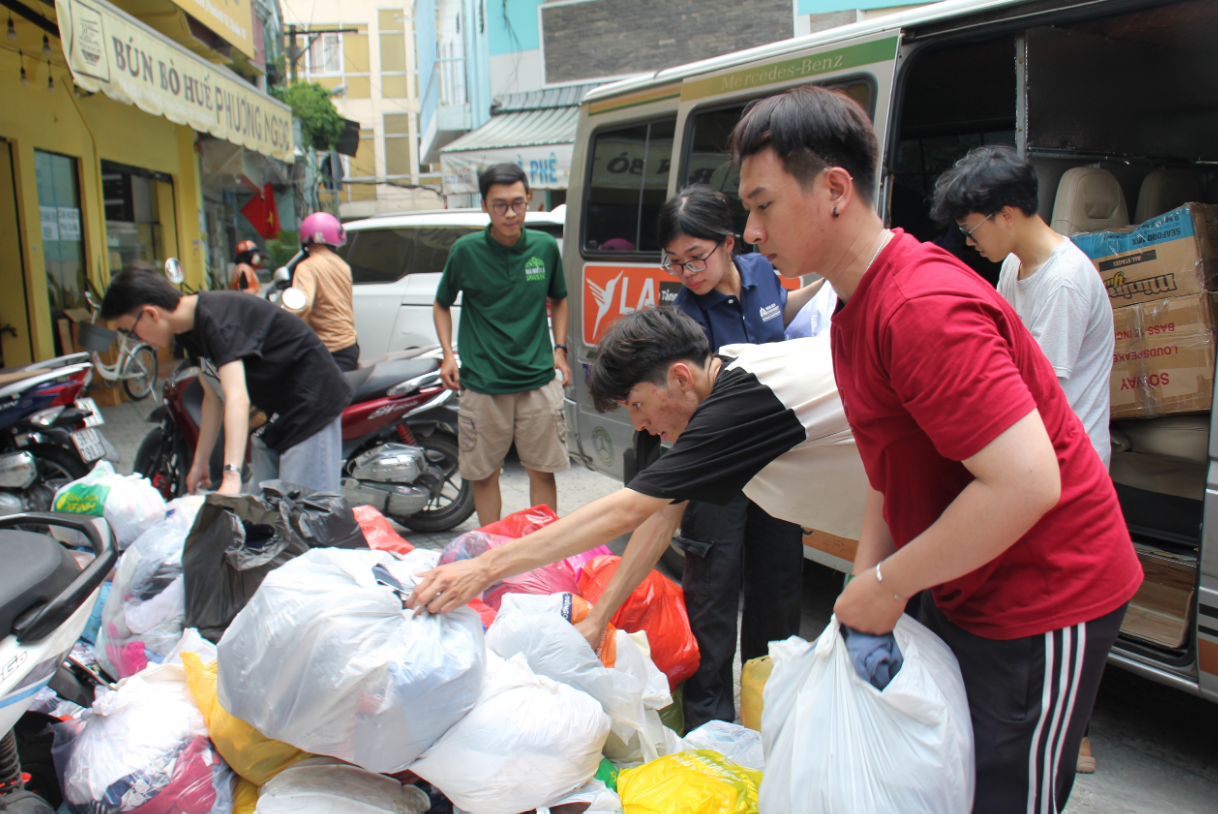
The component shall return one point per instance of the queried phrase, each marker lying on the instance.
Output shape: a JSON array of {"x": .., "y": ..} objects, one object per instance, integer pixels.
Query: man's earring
[{"x": 835, "y": 214}]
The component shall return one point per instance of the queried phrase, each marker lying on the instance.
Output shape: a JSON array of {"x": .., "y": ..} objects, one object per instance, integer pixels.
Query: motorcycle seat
[
  {"x": 36, "y": 570},
  {"x": 373, "y": 382},
  {"x": 192, "y": 400}
]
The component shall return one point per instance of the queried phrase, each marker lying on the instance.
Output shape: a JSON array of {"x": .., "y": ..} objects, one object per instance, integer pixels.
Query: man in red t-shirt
[{"x": 985, "y": 488}]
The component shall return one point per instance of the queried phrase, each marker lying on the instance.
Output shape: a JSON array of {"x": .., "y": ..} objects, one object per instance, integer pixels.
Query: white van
[
  {"x": 1114, "y": 101},
  {"x": 396, "y": 262}
]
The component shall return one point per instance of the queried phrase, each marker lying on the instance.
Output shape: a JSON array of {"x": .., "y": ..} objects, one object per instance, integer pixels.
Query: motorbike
[
  {"x": 46, "y": 598},
  {"x": 49, "y": 434},
  {"x": 399, "y": 441}
]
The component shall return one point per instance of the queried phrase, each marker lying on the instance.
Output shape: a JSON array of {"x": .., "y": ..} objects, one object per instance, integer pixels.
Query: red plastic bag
[
  {"x": 549, "y": 579},
  {"x": 525, "y": 521},
  {"x": 377, "y": 531},
  {"x": 485, "y": 612},
  {"x": 656, "y": 606}
]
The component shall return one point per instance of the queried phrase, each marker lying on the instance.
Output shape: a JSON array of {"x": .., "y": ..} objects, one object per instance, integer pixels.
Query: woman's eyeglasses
[{"x": 693, "y": 266}]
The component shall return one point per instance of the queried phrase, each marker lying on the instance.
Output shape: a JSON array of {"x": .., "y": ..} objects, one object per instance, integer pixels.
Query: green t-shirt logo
[{"x": 535, "y": 269}]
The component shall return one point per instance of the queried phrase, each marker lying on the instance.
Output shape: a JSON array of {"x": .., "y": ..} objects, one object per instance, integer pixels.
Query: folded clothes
[{"x": 875, "y": 658}]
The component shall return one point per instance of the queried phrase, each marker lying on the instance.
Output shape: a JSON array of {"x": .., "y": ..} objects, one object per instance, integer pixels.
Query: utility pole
[{"x": 293, "y": 51}]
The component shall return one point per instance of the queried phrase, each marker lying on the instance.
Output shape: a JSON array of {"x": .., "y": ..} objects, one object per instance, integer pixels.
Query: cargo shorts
[{"x": 487, "y": 425}]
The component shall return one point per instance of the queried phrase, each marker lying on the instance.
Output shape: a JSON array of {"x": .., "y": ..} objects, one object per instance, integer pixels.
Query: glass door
[{"x": 62, "y": 238}]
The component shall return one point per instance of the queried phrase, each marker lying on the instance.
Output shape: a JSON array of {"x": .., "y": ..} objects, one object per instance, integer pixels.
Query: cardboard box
[
  {"x": 1168, "y": 256},
  {"x": 1178, "y": 373},
  {"x": 1163, "y": 359}
]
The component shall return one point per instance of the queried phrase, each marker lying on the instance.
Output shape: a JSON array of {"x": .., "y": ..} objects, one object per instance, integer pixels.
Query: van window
[
  {"x": 708, "y": 161},
  {"x": 627, "y": 187}
]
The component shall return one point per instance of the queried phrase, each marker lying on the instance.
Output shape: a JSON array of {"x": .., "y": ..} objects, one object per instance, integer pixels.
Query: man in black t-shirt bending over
[
  {"x": 765, "y": 419},
  {"x": 255, "y": 354}
]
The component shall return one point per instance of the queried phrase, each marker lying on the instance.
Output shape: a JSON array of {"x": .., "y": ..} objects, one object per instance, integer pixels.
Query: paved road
[{"x": 1156, "y": 748}]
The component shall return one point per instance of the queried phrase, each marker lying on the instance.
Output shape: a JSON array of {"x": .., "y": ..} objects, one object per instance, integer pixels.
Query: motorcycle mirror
[
  {"x": 281, "y": 275},
  {"x": 294, "y": 299},
  {"x": 173, "y": 270}
]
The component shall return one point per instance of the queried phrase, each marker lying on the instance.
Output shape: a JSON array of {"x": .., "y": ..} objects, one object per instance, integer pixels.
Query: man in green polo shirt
[{"x": 506, "y": 273}]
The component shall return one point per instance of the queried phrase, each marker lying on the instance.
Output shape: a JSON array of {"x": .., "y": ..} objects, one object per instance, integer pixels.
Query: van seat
[
  {"x": 1164, "y": 190},
  {"x": 1164, "y": 476},
  {"x": 1089, "y": 199},
  {"x": 1182, "y": 438},
  {"x": 1179, "y": 437}
]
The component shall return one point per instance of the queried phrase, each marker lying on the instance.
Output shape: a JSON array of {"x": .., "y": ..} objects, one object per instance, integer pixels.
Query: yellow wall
[{"x": 89, "y": 129}]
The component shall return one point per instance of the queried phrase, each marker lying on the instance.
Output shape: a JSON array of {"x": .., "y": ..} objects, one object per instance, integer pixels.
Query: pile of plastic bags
[
  {"x": 324, "y": 683},
  {"x": 145, "y": 607},
  {"x": 327, "y": 658},
  {"x": 142, "y": 748}
]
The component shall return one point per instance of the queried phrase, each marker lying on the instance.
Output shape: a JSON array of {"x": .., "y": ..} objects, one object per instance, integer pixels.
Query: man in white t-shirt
[{"x": 990, "y": 194}]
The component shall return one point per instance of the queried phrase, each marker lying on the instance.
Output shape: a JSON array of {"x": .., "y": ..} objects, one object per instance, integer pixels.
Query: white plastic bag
[
  {"x": 326, "y": 657},
  {"x": 735, "y": 742},
  {"x": 835, "y": 743},
  {"x": 144, "y": 740},
  {"x": 129, "y": 504},
  {"x": 322, "y": 785},
  {"x": 528, "y": 741},
  {"x": 600, "y": 799},
  {"x": 553, "y": 648},
  {"x": 144, "y": 612},
  {"x": 634, "y": 658}
]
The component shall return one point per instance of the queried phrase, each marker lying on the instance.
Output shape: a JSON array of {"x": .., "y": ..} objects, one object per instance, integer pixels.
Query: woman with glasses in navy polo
[{"x": 736, "y": 298}]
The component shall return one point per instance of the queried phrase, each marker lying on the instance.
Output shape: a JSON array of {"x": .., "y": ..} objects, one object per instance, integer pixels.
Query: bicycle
[{"x": 136, "y": 363}]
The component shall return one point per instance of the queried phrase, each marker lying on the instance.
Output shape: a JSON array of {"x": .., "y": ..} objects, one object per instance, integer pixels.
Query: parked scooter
[
  {"x": 49, "y": 435},
  {"x": 399, "y": 441},
  {"x": 45, "y": 603}
]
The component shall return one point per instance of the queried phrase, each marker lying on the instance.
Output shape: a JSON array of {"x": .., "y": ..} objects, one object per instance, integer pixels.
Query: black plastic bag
[{"x": 237, "y": 539}]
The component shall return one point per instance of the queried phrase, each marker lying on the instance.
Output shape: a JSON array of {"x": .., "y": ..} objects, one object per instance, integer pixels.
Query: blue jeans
[{"x": 314, "y": 463}]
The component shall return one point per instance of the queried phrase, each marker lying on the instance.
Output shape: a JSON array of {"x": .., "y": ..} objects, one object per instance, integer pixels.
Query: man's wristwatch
[
  {"x": 236, "y": 470},
  {"x": 562, "y": 345}
]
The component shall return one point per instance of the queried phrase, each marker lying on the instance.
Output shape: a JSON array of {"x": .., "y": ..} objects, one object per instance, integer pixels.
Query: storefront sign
[
  {"x": 231, "y": 19},
  {"x": 549, "y": 167},
  {"x": 110, "y": 51}
]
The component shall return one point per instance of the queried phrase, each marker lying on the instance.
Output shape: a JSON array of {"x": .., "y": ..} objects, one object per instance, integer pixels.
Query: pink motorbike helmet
[{"x": 322, "y": 227}]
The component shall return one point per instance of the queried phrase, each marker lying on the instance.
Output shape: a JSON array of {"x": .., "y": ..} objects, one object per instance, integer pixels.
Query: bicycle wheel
[{"x": 139, "y": 372}]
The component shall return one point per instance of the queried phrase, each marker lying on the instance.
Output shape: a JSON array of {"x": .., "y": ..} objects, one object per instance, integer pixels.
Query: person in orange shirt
[
  {"x": 245, "y": 275},
  {"x": 325, "y": 280}
]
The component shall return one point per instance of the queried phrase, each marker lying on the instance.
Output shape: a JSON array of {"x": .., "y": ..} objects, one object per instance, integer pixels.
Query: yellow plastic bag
[
  {"x": 753, "y": 677},
  {"x": 247, "y": 751},
  {"x": 245, "y": 797},
  {"x": 695, "y": 782}
]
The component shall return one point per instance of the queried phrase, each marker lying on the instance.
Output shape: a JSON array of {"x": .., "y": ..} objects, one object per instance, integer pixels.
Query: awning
[
  {"x": 539, "y": 141},
  {"x": 110, "y": 51}
]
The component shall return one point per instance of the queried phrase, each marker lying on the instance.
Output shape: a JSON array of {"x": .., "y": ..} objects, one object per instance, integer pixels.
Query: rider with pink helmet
[{"x": 325, "y": 279}]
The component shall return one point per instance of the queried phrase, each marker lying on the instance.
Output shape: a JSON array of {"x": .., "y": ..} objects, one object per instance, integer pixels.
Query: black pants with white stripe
[{"x": 1030, "y": 701}]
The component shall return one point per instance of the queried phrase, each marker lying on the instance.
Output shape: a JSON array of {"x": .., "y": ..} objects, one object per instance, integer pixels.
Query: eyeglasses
[
  {"x": 968, "y": 233},
  {"x": 130, "y": 332},
  {"x": 693, "y": 266},
  {"x": 501, "y": 207}
]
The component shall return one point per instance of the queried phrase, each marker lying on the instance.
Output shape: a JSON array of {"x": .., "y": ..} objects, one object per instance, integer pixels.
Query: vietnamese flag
[{"x": 262, "y": 213}]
